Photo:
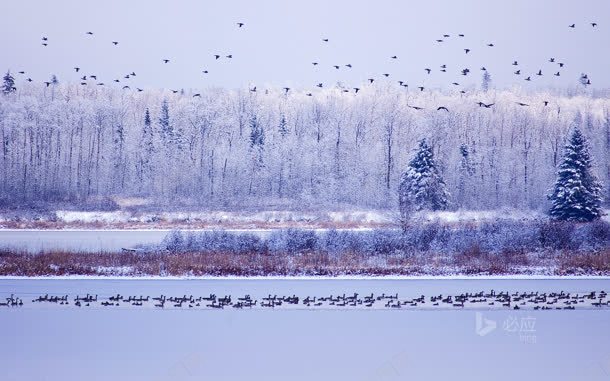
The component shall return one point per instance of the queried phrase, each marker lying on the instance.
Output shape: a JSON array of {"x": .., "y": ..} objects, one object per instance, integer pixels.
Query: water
[{"x": 48, "y": 343}]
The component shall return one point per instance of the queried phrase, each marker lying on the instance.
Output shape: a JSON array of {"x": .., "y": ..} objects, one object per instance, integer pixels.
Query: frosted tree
[
  {"x": 147, "y": 148},
  {"x": 577, "y": 192},
  {"x": 486, "y": 82},
  {"x": 466, "y": 172},
  {"x": 283, "y": 126},
  {"x": 165, "y": 126},
  {"x": 8, "y": 85},
  {"x": 421, "y": 186}
]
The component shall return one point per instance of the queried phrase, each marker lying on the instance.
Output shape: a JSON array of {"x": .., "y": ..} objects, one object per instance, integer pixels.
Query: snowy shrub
[{"x": 293, "y": 241}]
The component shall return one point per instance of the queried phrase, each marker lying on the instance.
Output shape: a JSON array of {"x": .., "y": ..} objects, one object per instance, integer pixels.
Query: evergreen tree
[
  {"x": 466, "y": 171},
  {"x": 577, "y": 192},
  {"x": 257, "y": 134},
  {"x": 421, "y": 186},
  {"x": 283, "y": 128},
  {"x": 486, "y": 80},
  {"x": 164, "y": 123},
  {"x": 9, "y": 83}
]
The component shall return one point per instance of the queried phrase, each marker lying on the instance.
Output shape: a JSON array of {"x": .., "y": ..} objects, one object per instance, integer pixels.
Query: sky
[{"x": 281, "y": 39}]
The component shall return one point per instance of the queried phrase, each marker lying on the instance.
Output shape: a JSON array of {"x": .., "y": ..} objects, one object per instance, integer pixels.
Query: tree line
[{"x": 70, "y": 143}]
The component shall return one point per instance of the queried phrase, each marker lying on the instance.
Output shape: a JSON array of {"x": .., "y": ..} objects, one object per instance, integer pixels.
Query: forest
[{"x": 65, "y": 143}]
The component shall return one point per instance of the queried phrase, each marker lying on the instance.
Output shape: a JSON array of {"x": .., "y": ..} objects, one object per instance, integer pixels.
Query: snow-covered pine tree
[
  {"x": 486, "y": 80},
  {"x": 8, "y": 85},
  {"x": 421, "y": 186},
  {"x": 166, "y": 128},
  {"x": 282, "y": 127},
  {"x": 466, "y": 171},
  {"x": 577, "y": 195}
]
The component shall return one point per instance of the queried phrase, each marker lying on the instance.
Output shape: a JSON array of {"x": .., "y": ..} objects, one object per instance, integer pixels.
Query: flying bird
[
  {"x": 467, "y": 50},
  {"x": 460, "y": 35},
  {"x": 45, "y": 39},
  {"x": 490, "y": 45},
  {"x": 416, "y": 108},
  {"x": 442, "y": 108},
  {"x": 551, "y": 59},
  {"x": 428, "y": 70},
  {"x": 47, "y": 83},
  {"x": 572, "y": 26},
  {"x": 371, "y": 80},
  {"x": 90, "y": 33},
  {"x": 165, "y": 61},
  {"x": 386, "y": 75},
  {"x": 546, "y": 103},
  {"x": 593, "y": 24},
  {"x": 515, "y": 63},
  {"x": 356, "y": 89},
  {"x": 325, "y": 39},
  {"x": 230, "y": 56},
  {"x": 309, "y": 94},
  {"x": 521, "y": 104},
  {"x": 314, "y": 63},
  {"x": 240, "y": 24},
  {"x": 394, "y": 57},
  {"x": 319, "y": 85},
  {"x": 205, "y": 72},
  {"x": 197, "y": 95},
  {"x": 421, "y": 88},
  {"x": 115, "y": 43},
  {"x": 216, "y": 56},
  {"x": 349, "y": 65},
  {"x": 336, "y": 66},
  {"x": 539, "y": 72},
  {"x": 286, "y": 90},
  {"x": 29, "y": 79},
  {"x": 518, "y": 72},
  {"x": 528, "y": 79},
  {"x": 77, "y": 69},
  {"x": 557, "y": 74}
]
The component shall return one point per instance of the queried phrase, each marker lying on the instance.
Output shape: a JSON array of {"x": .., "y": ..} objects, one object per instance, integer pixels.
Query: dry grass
[{"x": 471, "y": 261}]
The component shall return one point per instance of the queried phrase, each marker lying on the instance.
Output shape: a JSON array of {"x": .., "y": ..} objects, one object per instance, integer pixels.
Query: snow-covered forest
[{"x": 218, "y": 147}]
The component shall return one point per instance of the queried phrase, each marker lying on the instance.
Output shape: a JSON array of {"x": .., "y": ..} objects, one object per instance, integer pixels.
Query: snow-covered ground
[
  {"x": 270, "y": 219},
  {"x": 150, "y": 344}
]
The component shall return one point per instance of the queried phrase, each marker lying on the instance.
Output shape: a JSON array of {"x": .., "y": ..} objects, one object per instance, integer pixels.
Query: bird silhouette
[
  {"x": 217, "y": 56},
  {"x": 196, "y": 95},
  {"x": 94, "y": 77},
  {"x": 446, "y": 36},
  {"x": 139, "y": 90},
  {"x": 133, "y": 73},
  {"x": 349, "y": 65},
  {"x": 428, "y": 70},
  {"x": 386, "y": 75},
  {"x": 560, "y": 64},
  {"x": 593, "y": 24},
  {"x": 230, "y": 56},
  {"x": 319, "y": 85},
  {"x": 442, "y": 108},
  {"x": 518, "y": 72},
  {"x": 421, "y": 88},
  {"x": 29, "y": 79},
  {"x": 314, "y": 63},
  {"x": 551, "y": 59},
  {"x": 467, "y": 51},
  {"x": 557, "y": 74},
  {"x": 460, "y": 35},
  {"x": 45, "y": 39},
  {"x": 539, "y": 72},
  {"x": 336, "y": 66},
  {"x": 126, "y": 87},
  {"x": 165, "y": 61},
  {"x": 455, "y": 84},
  {"x": 416, "y": 108},
  {"x": 356, "y": 89},
  {"x": 490, "y": 45},
  {"x": 115, "y": 43},
  {"x": 439, "y": 40},
  {"x": 90, "y": 33},
  {"x": 325, "y": 39},
  {"x": 546, "y": 103},
  {"x": 175, "y": 91},
  {"x": 394, "y": 57},
  {"x": 45, "y": 44},
  {"x": 253, "y": 89},
  {"x": 371, "y": 80},
  {"x": 572, "y": 26},
  {"x": 286, "y": 90},
  {"x": 309, "y": 94},
  {"x": 528, "y": 79},
  {"x": 483, "y": 68},
  {"x": 47, "y": 83},
  {"x": 77, "y": 69},
  {"x": 515, "y": 63},
  {"x": 240, "y": 24},
  {"x": 204, "y": 71},
  {"x": 521, "y": 104}
]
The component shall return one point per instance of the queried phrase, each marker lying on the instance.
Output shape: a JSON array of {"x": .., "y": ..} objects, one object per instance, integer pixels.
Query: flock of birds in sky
[{"x": 585, "y": 80}]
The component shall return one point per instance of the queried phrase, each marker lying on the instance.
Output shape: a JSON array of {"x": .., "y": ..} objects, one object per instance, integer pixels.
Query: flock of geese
[
  {"x": 517, "y": 71},
  {"x": 480, "y": 300}
]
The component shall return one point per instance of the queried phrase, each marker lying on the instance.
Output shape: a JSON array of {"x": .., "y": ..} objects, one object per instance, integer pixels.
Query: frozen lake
[{"x": 47, "y": 343}]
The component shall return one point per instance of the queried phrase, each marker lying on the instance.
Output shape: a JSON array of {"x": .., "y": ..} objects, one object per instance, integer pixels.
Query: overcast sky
[{"x": 281, "y": 39}]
